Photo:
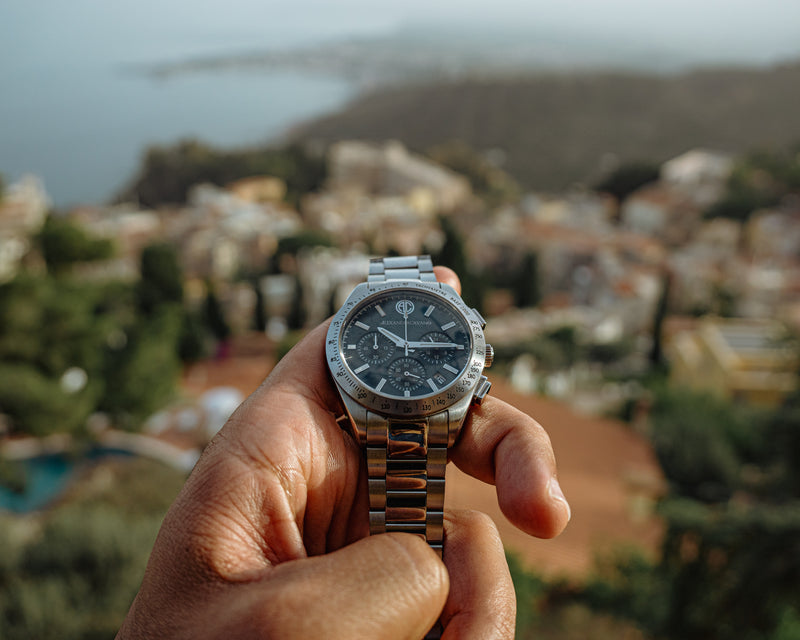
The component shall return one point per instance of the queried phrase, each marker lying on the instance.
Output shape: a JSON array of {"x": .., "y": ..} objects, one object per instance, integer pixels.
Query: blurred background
[{"x": 186, "y": 188}]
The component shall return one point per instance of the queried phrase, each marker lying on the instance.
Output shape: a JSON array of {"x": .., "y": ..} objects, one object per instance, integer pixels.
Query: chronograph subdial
[
  {"x": 407, "y": 374},
  {"x": 373, "y": 348},
  {"x": 437, "y": 354}
]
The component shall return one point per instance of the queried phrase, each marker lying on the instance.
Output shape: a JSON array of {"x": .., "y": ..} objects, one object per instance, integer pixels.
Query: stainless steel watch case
[{"x": 358, "y": 399}]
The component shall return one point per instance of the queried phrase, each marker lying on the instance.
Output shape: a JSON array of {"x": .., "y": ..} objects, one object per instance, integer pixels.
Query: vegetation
[
  {"x": 555, "y": 128},
  {"x": 731, "y": 551},
  {"x": 453, "y": 254},
  {"x": 487, "y": 179},
  {"x": 761, "y": 179},
  {"x": 167, "y": 173},
  {"x": 525, "y": 284},
  {"x": 72, "y": 572},
  {"x": 64, "y": 244},
  {"x": 628, "y": 178},
  {"x": 125, "y": 339}
]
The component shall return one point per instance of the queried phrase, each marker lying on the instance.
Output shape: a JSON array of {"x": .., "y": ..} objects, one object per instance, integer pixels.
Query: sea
[{"x": 78, "y": 110}]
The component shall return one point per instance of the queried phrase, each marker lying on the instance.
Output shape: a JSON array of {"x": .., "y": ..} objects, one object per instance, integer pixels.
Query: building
[
  {"x": 391, "y": 170},
  {"x": 23, "y": 209},
  {"x": 741, "y": 360}
]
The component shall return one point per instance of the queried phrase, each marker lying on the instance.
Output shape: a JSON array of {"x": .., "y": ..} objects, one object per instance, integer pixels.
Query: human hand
[{"x": 269, "y": 536}]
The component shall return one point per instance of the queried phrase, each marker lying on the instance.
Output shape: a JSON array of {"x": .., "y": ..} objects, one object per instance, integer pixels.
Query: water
[
  {"x": 48, "y": 476},
  {"x": 73, "y": 112}
]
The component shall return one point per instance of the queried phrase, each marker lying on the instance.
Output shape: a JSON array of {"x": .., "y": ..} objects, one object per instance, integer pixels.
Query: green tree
[
  {"x": 142, "y": 376},
  {"x": 657, "y": 348},
  {"x": 526, "y": 285},
  {"x": 64, "y": 243},
  {"x": 629, "y": 178},
  {"x": 488, "y": 181},
  {"x": 215, "y": 316},
  {"x": 296, "y": 318},
  {"x": 730, "y": 553},
  {"x": 161, "y": 278},
  {"x": 260, "y": 311},
  {"x": 168, "y": 173},
  {"x": 453, "y": 254}
]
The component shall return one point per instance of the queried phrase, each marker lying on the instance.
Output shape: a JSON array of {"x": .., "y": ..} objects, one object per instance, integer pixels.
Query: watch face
[{"x": 406, "y": 343}]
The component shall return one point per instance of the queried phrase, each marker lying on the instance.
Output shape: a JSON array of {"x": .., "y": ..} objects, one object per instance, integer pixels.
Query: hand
[
  {"x": 434, "y": 345},
  {"x": 393, "y": 337},
  {"x": 269, "y": 536}
]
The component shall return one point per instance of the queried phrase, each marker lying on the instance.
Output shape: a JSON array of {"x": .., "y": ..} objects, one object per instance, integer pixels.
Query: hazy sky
[{"x": 759, "y": 30}]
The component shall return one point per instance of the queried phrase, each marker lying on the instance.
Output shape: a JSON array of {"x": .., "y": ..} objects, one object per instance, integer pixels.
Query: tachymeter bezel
[{"x": 463, "y": 385}]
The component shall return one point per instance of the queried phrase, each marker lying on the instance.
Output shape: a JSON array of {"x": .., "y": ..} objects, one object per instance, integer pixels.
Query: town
[
  {"x": 584, "y": 263},
  {"x": 645, "y": 320}
]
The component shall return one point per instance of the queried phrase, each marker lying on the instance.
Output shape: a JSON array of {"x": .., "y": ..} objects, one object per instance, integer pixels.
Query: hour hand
[{"x": 393, "y": 337}]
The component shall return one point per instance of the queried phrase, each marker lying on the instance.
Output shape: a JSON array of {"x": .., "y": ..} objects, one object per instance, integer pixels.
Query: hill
[{"x": 559, "y": 129}]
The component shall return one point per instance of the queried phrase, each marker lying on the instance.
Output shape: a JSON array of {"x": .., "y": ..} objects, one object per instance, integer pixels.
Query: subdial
[
  {"x": 373, "y": 348},
  {"x": 407, "y": 374},
  {"x": 433, "y": 354}
]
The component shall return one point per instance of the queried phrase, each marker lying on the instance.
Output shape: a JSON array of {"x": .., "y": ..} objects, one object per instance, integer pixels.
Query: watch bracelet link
[
  {"x": 401, "y": 268},
  {"x": 406, "y": 459},
  {"x": 406, "y": 462}
]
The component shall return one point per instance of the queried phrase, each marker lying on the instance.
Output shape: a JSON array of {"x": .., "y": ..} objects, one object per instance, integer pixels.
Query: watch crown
[{"x": 489, "y": 356}]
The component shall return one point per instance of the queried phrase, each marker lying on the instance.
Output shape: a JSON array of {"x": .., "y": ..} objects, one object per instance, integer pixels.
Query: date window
[{"x": 440, "y": 380}]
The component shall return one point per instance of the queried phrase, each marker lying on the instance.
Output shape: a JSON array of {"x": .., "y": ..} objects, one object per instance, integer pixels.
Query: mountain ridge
[{"x": 561, "y": 129}]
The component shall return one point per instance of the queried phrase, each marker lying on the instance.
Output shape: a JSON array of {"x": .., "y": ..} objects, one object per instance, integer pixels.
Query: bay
[{"x": 75, "y": 112}]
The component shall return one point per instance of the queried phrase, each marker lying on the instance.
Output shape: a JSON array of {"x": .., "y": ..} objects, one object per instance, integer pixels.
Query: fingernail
[{"x": 555, "y": 492}]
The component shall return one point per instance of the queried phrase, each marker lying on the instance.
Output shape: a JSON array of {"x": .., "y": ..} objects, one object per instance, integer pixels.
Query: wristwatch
[{"x": 407, "y": 355}]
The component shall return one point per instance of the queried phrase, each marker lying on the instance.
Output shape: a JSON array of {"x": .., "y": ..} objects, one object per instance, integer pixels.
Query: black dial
[{"x": 406, "y": 343}]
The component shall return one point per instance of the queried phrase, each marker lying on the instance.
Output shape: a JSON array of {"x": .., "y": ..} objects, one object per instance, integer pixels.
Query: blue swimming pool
[{"x": 46, "y": 478}]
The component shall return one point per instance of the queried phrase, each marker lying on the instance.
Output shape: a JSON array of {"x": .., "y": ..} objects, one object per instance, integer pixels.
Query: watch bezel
[{"x": 348, "y": 383}]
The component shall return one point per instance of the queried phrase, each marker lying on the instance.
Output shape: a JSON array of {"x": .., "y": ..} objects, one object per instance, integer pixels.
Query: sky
[{"x": 755, "y": 30}]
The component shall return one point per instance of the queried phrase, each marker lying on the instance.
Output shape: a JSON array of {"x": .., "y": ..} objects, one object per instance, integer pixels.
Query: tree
[
  {"x": 141, "y": 377},
  {"x": 168, "y": 173},
  {"x": 629, "y": 178},
  {"x": 488, "y": 181},
  {"x": 657, "y": 349},
  {"x": 161, "y": 278},
  {"x": 453, "y": 254},
  {"x": 730, "y": 554},
  {"x": 215, "y": 316},
  {"x": 525, "y": 285},
  {"x": 296, "y": 318},
  {"x": 64, "y": 244},
  {"x": 260, "y": 311}
]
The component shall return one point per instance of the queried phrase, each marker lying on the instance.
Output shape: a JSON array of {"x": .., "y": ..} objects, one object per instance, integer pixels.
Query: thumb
[{"x": 390, "y": 587}]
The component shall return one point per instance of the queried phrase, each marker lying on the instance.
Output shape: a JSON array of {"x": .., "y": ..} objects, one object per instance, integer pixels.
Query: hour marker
[
  {"x": 363, "y": 367},
  {"x": 429, "y": 311},
  {"x": 449, "y": 368},
  {"x": 432, "y": 384},
  {"x": 365, "y": 327},
  {"x": 407, "y": 393},
  {"x": 380, "y": 384},
  {"x": 380, "y": 310},
  {"x": 351, "y": 346},
  {"x": 447, "y": 326}
]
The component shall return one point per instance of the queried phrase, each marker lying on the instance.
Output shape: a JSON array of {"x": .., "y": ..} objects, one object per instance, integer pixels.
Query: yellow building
[{"x": 738, "y": 359}]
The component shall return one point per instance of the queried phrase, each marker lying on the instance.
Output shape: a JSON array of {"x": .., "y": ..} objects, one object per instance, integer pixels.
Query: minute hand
[{"x": 435, "y": 345}]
